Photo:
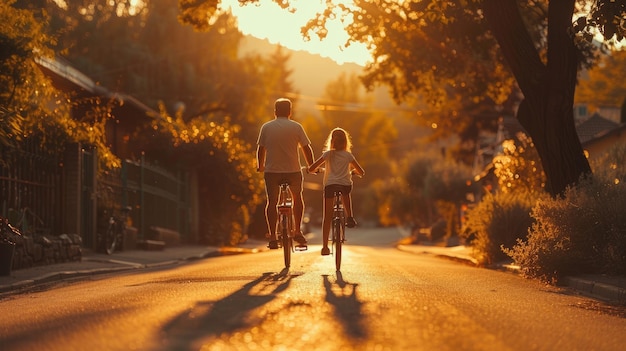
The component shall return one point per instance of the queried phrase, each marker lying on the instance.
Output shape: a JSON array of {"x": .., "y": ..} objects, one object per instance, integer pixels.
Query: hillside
[{"x": 311, "y": 74}]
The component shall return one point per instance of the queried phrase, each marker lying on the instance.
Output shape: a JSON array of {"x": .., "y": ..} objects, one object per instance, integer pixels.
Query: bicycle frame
[
  {"x": 338, "y": 229},
  {"x": 285, "y": 220}
]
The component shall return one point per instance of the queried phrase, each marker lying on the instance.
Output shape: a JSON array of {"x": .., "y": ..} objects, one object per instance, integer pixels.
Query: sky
[{"x": 268, "y": 21}]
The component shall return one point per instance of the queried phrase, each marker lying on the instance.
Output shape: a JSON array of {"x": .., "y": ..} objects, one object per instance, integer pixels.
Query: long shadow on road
[
  {"x": 229, "y": 314},
  {"x": 348, "y": 309}
]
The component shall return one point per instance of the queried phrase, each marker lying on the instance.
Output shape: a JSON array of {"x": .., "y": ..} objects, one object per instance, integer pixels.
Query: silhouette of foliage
[
  {"x": 606, "y": 82},
  {"x": 440, "y": 49},
  {"x": 31, "y": 107}
]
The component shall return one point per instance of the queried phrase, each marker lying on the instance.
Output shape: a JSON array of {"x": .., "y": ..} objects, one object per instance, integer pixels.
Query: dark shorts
[
  {"x": 274, "y": 180},
  {"x": 329, "y": 190}
]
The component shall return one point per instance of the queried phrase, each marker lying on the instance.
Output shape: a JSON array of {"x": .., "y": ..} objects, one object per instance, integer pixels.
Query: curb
[
  {"x": 588, "y": 287},
  {"x": 124, "y": 266},
  {"x": 460, "y": 257},
  {"x": 58, "y": 276},
  {"x": 595, "y": 289}
]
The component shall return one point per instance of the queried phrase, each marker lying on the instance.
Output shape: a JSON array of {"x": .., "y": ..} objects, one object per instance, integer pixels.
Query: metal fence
[
  {"x": 48, "y": 194},
  {"x": 30, "y": 188},
  {"x": 158, "y": 197}
]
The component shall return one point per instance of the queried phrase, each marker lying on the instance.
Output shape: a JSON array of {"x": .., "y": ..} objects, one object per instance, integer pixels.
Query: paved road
[{"x": 384, "y": 299}]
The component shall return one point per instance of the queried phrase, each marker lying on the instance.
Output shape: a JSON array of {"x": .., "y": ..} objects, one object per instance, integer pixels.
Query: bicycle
[
  {"x": 338, "y": 224},
  {"x": 285, "y": 230},
  {"x": 113, "y": 238},
  {"x": 338, "y": 229}
]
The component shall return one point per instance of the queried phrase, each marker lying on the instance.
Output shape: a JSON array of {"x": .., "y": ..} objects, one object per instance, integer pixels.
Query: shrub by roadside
[
  {"x": 499, "y": 220},
  {"x": 582, "y": 232}
]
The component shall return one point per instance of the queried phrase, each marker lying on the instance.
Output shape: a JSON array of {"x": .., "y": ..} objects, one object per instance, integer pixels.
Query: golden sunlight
[
  {"x": 267, "y": 20},
  {"x": 61, "y": 3},
  {"x": 133, "y": 9}
]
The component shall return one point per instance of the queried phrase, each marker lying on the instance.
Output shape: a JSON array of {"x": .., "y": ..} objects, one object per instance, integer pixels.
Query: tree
[
  {"x": 517, "y": 167},
  {"x": 433, "y": 47},
  {"x": 548, "y": 87},
  {"x": 373, "y": 132},
  {"x": 211, "y": 101},
  {"x": 228, "y": 196},
  {"x": 20, "y": 79},
  {"x": 32, "y": 110},
  {"x": 422, "y": 55},
  {"x": 160, "y": 60},
  {"x": 606, "y": 83},
  {"x": 344, "y": 105},
  {"x": 262, "y": 81},
  {"x": 403, "y": 199}
]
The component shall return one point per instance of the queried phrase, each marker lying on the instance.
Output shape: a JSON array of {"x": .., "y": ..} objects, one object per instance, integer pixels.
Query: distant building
[
  {"x": 581, "y": 112},
  {"x": 597, "y": 134},
  {"x": 593, "y": 127},
  {"x": 611, "y": 113},
  {"x": 162, "y": 199}
]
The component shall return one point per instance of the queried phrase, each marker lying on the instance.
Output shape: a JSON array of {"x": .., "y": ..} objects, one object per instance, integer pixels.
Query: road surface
[{"x": 383, "y": 299}]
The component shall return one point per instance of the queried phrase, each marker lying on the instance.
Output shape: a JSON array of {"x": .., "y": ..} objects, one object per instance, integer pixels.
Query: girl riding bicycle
[{"x": 339, "y": 166}]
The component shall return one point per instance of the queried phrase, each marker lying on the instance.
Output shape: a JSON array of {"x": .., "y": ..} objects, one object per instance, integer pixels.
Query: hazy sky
[{"x": 268, "y": 21}]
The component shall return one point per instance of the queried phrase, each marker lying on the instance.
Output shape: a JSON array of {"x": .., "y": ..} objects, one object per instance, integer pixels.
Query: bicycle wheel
[
  {"x": 337, "y": 238},
  {"x": 110, "y": 240},
  {"x": 286, "y": 240}
]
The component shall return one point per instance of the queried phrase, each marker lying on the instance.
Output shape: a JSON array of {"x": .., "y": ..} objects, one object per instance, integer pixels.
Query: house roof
[
  {"x": 69, "y": 79},
  {"x": 621, "y": 128},
  {"x": 594, "y": 127}
]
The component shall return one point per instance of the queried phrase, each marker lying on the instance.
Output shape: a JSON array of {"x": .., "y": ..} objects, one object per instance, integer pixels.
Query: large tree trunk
[{"x": 547, "y": 109}]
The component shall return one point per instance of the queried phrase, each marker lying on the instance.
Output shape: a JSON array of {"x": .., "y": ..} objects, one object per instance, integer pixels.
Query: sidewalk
[
  {"x": 602, "y": 287},
  {"x": 612, "y": 289},
  {"x": 97, "y": 263}
]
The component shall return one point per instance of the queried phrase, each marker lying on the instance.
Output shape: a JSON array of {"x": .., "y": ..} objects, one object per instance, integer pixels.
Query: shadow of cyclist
[
  {"x": 342, "y": 295},
  {"x": 231, "y": 313}
]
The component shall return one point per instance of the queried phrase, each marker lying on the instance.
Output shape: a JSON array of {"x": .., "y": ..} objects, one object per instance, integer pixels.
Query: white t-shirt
[
  {"x": 337, "y": 164},
  {"x": 281, "y": 137}
]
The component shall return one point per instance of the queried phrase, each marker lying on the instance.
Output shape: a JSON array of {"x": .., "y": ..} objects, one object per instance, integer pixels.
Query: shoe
[
  {"x": 300, "y": 239},
  {"x": 350, "y": 222},
  {"x": 325, "y": 251},
  {"x": 273, "y": 244}
]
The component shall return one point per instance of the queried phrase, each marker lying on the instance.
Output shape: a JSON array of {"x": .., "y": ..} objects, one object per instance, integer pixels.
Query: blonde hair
[{"x": 338, "y": 139}]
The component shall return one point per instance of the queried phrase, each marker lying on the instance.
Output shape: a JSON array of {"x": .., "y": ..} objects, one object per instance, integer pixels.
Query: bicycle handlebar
[
  {"x": 322, "y": 170},
  {"x": 319, "y": 170}
]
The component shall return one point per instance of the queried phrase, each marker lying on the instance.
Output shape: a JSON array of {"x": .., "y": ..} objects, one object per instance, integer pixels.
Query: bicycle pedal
[{"x": 301, "y": 247}]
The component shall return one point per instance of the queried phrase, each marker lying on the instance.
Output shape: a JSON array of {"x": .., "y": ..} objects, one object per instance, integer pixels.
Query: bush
[
  {"x": 518, "y": 167},
  {"x": 497, "y": 222},
  {"x": 582, "y": 232}
]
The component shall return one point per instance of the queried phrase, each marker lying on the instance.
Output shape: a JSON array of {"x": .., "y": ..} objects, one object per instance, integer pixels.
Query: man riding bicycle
[{"x": 277, "y": 156}]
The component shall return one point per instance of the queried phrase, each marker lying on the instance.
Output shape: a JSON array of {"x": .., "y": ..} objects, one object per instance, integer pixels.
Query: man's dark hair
[{"x": 282, "y": 107}]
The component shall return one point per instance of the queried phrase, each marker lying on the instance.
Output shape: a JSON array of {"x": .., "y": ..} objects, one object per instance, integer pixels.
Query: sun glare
[{"x": 266, "y": 20}]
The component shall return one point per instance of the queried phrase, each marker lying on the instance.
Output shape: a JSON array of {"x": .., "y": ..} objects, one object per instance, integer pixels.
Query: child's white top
[{"x": 337, "y": 167}]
